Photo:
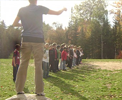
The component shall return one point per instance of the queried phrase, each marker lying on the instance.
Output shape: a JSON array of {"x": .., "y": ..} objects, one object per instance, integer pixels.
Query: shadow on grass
[
  {"x": 65, "y": 87},
  {"x": 76, "y": 74},
  {"x": 77, "y": 71}
]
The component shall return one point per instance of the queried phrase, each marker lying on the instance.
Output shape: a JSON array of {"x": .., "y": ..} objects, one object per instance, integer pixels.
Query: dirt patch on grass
[{"x": 106, "y": 65}]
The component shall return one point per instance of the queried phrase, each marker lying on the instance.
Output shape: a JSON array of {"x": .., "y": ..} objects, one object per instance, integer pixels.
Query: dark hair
[
  {"x": 64, "y": 48},
  {"x": 58, "y": 46},
  {"x": 17, "y": 46}
]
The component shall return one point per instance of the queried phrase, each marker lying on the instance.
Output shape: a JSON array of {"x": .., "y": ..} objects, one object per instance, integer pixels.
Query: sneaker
[
  {"x": 40, "y": 94},
  {"x": 20, "y": 93}
]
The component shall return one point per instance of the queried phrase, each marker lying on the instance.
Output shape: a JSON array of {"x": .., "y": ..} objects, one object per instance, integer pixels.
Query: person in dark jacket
[
  {"x": 78, "y": 56},
  {"x": 70, "y": 56},
  {"x": 53, "y": 58}
]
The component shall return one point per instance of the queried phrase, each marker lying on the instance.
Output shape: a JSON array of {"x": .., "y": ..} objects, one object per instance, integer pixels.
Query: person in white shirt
[
  {"x": 74, "y": 56},
  {"x": 45, "y": 63},
  {"x": 81, "y": 54}
]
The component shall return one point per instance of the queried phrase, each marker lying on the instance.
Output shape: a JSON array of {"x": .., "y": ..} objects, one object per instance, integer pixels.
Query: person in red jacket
[{"x": 64, "y": 58}]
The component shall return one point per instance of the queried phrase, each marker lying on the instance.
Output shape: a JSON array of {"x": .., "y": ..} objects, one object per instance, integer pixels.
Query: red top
[
  {"x": 16, "y": 54},
  {"x": 64, "y": 55}
]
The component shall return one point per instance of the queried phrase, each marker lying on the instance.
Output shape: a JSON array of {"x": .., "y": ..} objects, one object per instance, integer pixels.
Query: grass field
[{"x": 80, "y": 83}]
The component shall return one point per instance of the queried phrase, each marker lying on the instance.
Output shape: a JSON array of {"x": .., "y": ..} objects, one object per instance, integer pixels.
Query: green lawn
[{"x": 80, "y": 83}]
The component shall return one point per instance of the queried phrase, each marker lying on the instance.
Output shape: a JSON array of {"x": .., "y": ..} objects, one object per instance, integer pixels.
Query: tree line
[{"x": 88, "y": 27}]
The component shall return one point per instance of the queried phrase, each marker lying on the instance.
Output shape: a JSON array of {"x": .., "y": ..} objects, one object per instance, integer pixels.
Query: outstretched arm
[
  {"x": 17, "y": 19},
  {"x": 16, "y": 22},
  {"x": 52, "y": 12}
]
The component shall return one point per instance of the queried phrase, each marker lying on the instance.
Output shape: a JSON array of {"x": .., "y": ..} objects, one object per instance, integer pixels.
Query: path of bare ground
[{"x": 105, "y": 65}]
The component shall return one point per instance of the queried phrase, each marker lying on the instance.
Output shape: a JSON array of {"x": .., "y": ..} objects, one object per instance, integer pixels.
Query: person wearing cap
[{"x": 31, "y": 18}]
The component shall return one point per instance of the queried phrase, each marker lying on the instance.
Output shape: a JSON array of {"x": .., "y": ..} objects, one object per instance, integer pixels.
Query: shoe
[
  {"x": 20, "y": 93},
  {"x": 40, "y": 94},
  {"x": 48, "y": 76},
  {"x": 54, "y": 71}
]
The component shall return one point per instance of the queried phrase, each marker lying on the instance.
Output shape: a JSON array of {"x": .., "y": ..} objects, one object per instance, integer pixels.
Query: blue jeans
[
  {"x": 61, "y": 65},
  {"x": 45, "y": 67},
  {"x": 15, "y": 69},
  {"x": 64, "y": 63},
  {"x": 74, "y": 61}
]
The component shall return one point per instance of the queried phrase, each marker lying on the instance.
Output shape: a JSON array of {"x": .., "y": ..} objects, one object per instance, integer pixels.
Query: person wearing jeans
[
  {"x": 31, "y": 18},
  {"x": 61, "y": 49},
  {"x": 74, "y": 57},
  {"x": 45, "y": 63},
  {"x": 58, "y": 57},
  {"x": 45, "y": 66},
  {"x": 64, "y": 64},
  {"x": 64, "y": 58}
]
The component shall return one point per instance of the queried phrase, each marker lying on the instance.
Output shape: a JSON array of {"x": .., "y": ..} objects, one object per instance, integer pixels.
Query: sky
[{"x": 9, "y": 10}]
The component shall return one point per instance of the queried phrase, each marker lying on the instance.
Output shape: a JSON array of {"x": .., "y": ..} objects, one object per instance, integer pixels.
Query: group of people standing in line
[
  {"x": 55, "y": 58},
  {"x": 58, "y": 57}
]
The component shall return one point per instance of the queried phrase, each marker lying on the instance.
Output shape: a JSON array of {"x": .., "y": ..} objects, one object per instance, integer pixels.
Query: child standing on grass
[
  {"x": 16, "y": 61},
  {"x": 58, "y": 57},
  {"x": 61, "y": 49},
  {"x": 74, "y": 56},
  {"x": 81, "y": 54},
  {"x": 64, "y": 58},
  {"x": 78, "y": 55},
  {"x": 45, "y": 63}
]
